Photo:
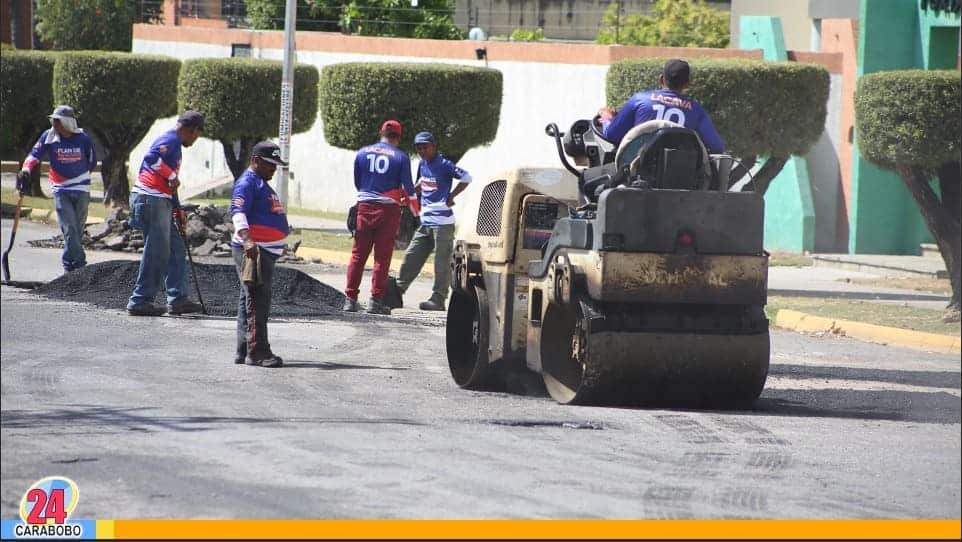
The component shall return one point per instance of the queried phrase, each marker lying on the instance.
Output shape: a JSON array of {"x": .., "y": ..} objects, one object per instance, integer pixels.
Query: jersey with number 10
[
  {"x": 382, "y": 174},
  {"x": 664, "y": 105}
]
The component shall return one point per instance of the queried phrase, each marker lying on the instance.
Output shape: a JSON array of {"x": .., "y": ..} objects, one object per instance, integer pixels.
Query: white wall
[{"x": 534, "y": 94}]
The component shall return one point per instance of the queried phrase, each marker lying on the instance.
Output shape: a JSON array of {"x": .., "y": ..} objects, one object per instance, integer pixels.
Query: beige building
[{"x": 801, "y": 19}]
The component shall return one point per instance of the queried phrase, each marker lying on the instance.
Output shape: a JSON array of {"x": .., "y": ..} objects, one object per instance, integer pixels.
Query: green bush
[
  {"x": 240, "y": 99},
  {"x": 117, "y": 96},
  {"x": 26, "y": 98},
  {"x": 461, "y": 105},
  {"x": 759, "y": 108},
  {"x": 909, "y": 117},
  {"x": 523, "y": 34},
  {"x": 672, "y": 23},
  {"x": 87, "y": 24}
]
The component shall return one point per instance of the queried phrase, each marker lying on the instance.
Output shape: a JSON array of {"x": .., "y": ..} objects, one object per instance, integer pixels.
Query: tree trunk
[
  {"x": 238, "y": 162},
  {"x": 118, "y": 141},
  {"x": 941, "y": 223},
  {"x": 773, "y": 166}
]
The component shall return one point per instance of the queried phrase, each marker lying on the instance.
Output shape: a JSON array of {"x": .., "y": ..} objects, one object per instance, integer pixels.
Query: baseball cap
[
  {"x": 268, "y": 151},
  {"x": 63, "y": 112},
  {"x": 391, "y": 127},
  {"x": 192, "y": 119},
  {"x": 677, "y": 73},
  {"x": 423, "y": 137}
]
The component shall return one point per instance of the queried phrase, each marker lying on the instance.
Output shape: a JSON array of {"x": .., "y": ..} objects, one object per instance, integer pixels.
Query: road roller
[{"x": 635, "y": 276}]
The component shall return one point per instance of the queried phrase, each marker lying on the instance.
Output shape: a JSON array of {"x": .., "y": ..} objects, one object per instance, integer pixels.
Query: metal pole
[{"x": 287, "y": 98}]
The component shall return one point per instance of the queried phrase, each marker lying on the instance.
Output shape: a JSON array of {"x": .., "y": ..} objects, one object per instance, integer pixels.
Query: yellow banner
[{"x": 533, "y": 529}]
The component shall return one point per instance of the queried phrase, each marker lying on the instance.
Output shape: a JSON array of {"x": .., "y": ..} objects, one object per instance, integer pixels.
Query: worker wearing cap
[
  {"x": 667, "y": 103},
  {"x": 72, "y": 158},
  {"x": 260, "y": 234},
  {"x": 155, "y": 209},
  {"x": 382, "y": 176},
  {"x": 436, "y": 177}
]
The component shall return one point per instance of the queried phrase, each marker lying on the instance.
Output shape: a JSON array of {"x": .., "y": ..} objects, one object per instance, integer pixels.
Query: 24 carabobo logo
[{"x": 46, "y": 506}]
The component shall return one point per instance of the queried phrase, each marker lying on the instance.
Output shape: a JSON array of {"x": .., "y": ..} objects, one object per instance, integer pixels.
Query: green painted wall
[
  {"x": 894, "y": 35},
  {"x": 789, "y": 211}
]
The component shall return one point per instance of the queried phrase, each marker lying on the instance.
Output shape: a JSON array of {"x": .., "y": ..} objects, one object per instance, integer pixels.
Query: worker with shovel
[
  {"x": 72, "y": 158},
  {"x": 260, "y": 234}
]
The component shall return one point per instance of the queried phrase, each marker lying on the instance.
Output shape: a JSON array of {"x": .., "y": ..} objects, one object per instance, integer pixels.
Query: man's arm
[
  {"x": 357, "y": 171},
  {"x": 616, "y": 129},
  {"x": 159, "y": 162},
  {"x": 463, "y": 178},
  {"x": 709, "y": 135},
  {"x": 241, "y": 202},
  {"x": 36, "y": 153},
  {"x": 413, "y": 201},
  {"x": 91, "y": 155}
]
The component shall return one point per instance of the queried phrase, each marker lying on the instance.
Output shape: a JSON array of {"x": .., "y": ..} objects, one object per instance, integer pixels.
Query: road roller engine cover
[{"x": 638, "y": 277}]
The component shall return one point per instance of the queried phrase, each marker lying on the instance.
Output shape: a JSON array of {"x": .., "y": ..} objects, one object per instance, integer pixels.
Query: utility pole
[{"x": 287, "y": 99}]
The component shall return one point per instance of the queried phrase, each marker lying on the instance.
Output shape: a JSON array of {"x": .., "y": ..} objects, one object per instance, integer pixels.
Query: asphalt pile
[
  {"x": 209, "y": 230},
  {"x": 109, "y": 285}
]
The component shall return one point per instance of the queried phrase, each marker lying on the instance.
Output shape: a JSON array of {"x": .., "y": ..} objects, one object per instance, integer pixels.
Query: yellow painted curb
[{"x": 933, "y": 342}]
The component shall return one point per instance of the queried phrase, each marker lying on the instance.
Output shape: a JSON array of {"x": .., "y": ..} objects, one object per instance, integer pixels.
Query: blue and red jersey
[
  {"x": 71, "y": 159},
  {"x": 160, "y": 166},
  {"x": 664, "y": 105},
  {"x": 382, "y": 174},
  {"x": 436, "y": 177},
  {"x": 254, "y": 206}
]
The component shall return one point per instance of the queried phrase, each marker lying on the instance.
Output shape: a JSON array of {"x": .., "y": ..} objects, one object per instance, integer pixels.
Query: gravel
[{"x": 109, "y": 285}]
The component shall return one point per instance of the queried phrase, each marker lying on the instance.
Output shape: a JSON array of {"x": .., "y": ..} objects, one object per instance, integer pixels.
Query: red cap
[{"x": 391, "y": 126}]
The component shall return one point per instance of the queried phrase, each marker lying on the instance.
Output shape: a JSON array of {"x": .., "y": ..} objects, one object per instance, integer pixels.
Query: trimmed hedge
[
  {"x": 112, "y": 91},
  {"x": 117, "y": 96},
  {"x": 460, "y": 105},
  {"x": 26, "y": 98},
  {"x": 759, "y": 108},
  {"x": 909, "y": 118},
  {"x": 241, "y": 97}
]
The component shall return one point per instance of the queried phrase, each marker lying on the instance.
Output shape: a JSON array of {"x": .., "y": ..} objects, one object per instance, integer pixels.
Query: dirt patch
[{"x": 109, "y": 285}]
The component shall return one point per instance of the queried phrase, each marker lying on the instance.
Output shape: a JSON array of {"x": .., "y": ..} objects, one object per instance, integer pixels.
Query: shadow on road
[
  {"x": 87, "y": 418},
  {"x": 900, "y": 406},
  {"x": 929, "y": 379}
]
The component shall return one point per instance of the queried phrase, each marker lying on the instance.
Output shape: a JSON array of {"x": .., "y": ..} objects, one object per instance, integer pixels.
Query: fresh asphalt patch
[{"x": 109, "y": 285}]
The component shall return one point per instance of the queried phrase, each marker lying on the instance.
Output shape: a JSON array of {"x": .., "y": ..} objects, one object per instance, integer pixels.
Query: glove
[
  {"x": 23, "y": 181},
  {"x": 180, "y": 219}
]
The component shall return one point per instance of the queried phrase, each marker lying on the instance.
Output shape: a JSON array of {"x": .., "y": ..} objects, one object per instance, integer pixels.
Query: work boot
[
  {"x": 431, "y": 305},
  {"x": 377, "y": 306},
  {"x": 241, "y": 354},
  {"x": 184, "y": 307},
  {"x": 147, "y": 309},
  {"x": 351, "y": 305},
  {"x": 393, "y": 295},
  {"x": 266, "y": 359}
]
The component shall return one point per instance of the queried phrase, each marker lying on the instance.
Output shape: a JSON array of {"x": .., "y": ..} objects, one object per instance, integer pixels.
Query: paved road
[{"x": 152, "y": 420}]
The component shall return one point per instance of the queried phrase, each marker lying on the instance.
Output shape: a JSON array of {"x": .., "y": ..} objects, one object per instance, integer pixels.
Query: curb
[{"x": 932, "y": 342}]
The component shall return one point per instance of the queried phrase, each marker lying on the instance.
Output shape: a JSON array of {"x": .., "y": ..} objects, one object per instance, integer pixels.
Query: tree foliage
[
  {"x": 523, "y": 34},
  {"x": 240, "y": 99},
  {"x": 911, "y": 122},
  {"x": 431, "y": 19},
  {"x": 672, "y": 23},
  {"x": 461, "y": 105},
  {"x": 117, "y": 96},
  {"x": 26, "y": 98},
  {"x": 87, "y": 24}
]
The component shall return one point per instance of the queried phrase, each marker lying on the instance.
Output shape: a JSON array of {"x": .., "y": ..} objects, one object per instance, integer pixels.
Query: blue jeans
[
  {"x": 165, "y": 258},
  {"x": 71, "y": 208}
]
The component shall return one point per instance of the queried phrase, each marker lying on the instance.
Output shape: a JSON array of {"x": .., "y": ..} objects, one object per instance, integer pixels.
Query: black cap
[
  {"x": 677, "y": 73},
  {"x": 268, "y": 151},
  {"x": 191, "y": 119}
]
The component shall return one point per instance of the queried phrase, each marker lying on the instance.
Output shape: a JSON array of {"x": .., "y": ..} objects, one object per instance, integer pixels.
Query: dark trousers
[
  {"x": 377, "y": 225},
  {"x": 254, "y": 305}
]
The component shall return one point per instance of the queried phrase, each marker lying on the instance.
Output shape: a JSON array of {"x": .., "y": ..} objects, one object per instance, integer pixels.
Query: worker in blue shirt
[{"x": 667, "y": 103}]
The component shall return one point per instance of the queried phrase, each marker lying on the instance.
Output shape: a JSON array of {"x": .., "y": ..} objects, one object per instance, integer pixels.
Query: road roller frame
[{"x": 618, "y": 291}]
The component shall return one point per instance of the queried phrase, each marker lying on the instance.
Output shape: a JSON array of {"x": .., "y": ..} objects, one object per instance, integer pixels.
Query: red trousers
[{"x": 377, "y": 225}]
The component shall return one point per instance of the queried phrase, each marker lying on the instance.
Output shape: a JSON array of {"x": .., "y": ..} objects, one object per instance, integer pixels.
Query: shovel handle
[{"x": 13, "y": 235}]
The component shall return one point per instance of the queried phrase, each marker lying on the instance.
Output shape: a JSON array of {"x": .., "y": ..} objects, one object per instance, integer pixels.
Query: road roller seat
[{"x": 664, "y": 155}]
